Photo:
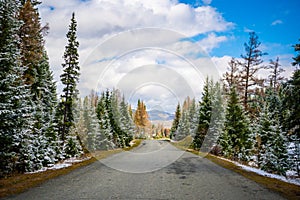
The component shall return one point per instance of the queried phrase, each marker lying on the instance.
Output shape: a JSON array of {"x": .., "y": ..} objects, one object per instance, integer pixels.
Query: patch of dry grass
[
  {"x": 18, "y": 183},
  {"x": 287, "y": 190}
]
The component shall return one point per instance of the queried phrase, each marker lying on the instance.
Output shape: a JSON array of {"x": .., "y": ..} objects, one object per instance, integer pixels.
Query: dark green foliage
[
  {"x": 204, "y": 116},
  {"x": 271, "y": 141},
  {"x": 15, "y": 107},
  {"x": 175, "y": 121},
  {"x": 236, "y": 139},
  {"x": 297, "y": 58},
  {"x": 69, "y": 79}
]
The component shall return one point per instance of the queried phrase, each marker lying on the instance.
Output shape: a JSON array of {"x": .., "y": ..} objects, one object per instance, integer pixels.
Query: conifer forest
[{"x": 242, "y": 117}]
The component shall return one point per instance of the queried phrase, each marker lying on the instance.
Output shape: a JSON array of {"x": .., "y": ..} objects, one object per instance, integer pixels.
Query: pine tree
[
  {"x": 69, "y": 78},
  {"x": 204, "y": 116},
  {"x": 175, "y": 121},
  {"x": 15, "y": 106},
  {"x": 236, "y": 140}
]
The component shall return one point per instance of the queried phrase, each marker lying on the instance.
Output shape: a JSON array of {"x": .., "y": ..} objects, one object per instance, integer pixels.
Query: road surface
[{"x": 154, "y": 170}]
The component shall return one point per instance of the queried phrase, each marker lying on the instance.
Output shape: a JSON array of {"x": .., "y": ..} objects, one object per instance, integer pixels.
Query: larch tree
[
  {"x": 249, "y": 68},
  {"x": 275, "y": 77},
  {"x": 232, "y": 76},
  {"x": 39, "y": 77},
  {"x": 69, "y": 78}
]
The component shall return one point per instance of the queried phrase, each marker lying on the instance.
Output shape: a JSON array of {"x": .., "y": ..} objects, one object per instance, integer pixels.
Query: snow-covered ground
[
  {"x": 295, "y": 181},
  {"x": 60, "y": 165}
]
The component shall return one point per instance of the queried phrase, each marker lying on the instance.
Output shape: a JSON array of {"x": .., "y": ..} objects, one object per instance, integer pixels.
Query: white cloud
[
  {"x": 207, "y": 2},
  {"x": 100, "y": 20},
  {"x": 276, "y": 22}
]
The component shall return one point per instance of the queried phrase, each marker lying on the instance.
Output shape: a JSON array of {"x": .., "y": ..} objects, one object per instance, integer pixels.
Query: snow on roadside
[
  {"x": 66, "y": 163},
  {"x": 263, "y": 173}
]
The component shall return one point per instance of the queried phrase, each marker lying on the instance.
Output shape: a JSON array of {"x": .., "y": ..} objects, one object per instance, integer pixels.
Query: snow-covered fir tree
[
  {"x": 236, "y": 140},
  {"x": 271, "y": 144},
  {"x": 217, "y": 120},
  {"x": 183, "y": 129},
  {"x": 175, "y": 122},
  {"x": 69, "y": 78},
  {"x": 15, "y": 107},
  {"x": 204, "y": 116},
  {"x": 126, "y": 123}
]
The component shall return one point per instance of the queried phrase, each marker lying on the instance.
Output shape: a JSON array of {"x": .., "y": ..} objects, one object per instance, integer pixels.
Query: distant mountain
[{"x": 158, "y": 115}]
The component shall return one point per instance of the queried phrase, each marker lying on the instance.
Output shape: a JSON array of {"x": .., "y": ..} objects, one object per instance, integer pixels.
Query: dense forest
[
  {"x": 243, "y": 117},
  {"x": 247, "y": 118},
  {"x": 37, "y": 128}
]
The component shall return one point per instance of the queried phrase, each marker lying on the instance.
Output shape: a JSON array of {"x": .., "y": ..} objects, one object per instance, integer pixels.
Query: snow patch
[
  {"x": 295, "y": 181},
  {"x": 64, "y": 164}
]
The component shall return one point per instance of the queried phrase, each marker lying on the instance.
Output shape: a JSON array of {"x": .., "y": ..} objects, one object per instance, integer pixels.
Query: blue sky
[{"x": 276, "y": 22}]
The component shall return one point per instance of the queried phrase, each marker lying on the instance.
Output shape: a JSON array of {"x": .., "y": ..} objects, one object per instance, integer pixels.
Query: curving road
[{"x": 154, "y": 170}]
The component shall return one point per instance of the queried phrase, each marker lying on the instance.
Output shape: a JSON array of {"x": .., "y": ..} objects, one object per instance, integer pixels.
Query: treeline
[
  {"x": 247, "y": 118},
  {"x": 38, "y": 129}
]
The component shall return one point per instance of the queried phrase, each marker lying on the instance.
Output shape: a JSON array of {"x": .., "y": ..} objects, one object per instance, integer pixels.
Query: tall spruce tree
[
  {"x": 175, "y": 121},
  {"x": 40, "y": 79},
  {"x": 271, "y": 142},
  {"x": 15, "y": 106},
  {"x": 69, "y": 79},
  {"x": 236, "y": 140},
  {"x": 205, "y": 108}
]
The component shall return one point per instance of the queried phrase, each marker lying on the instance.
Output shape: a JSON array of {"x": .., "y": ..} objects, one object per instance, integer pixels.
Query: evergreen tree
[
  {"x": 40, "y": 79},
  {"x": 193, "y": 116},
  {"x": 104, "y": 137},
  {"x": 291, "y": 116},
  {"x": 126, "y": 123},
  {"x": 236, "y": 140},
  {"x": 183, "y": 129},
  {"x": 216, "y": 125},
  {"x": 204, "y": 116},
  {"x": 271, "y": 142},
  {"x": 15, "y": 106},
  {"x": 175, "y": 121},
  {"x": 69, "y": 78},
  {"x": 297, "y": 58}
]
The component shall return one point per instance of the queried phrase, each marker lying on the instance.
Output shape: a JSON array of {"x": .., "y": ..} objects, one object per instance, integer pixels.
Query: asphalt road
[{"x": 154, "y": 170}]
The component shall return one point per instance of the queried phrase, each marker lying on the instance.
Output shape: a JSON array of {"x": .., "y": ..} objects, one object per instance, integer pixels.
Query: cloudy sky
[{"x": 161, "y": 50}]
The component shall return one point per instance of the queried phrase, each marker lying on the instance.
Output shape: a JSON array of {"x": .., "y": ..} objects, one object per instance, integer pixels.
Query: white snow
[
  {"x": 295, "y": 181},
  {"x": 64, "y": 164}
]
